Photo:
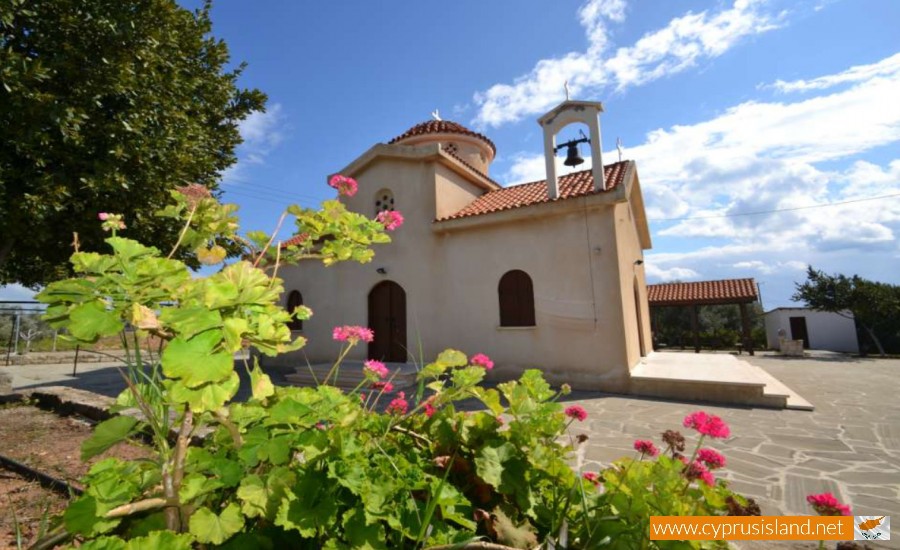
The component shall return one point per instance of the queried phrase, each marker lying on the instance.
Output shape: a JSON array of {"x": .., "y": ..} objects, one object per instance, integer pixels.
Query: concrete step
[{"x": 716, "y": 378}]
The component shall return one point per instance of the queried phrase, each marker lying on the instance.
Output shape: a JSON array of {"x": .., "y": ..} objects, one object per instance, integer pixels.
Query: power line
[{"x": 773, "y": 210}]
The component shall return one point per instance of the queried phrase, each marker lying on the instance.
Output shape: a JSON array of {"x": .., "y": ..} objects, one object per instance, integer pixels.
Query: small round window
[{"x": 384, "y": 200}]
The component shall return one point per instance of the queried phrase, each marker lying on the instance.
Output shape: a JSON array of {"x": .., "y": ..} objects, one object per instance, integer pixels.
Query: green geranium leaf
[
  {"x": 195, "y": 362},
  {"x": 452, "y": 358},
  {"x": 104, "y": 543},
  {"x": 69, "y": 290},
  {"x": 195, "y": 485},
  {"x": 81, "y": 518},
  {"x": 161, "y": 540},
  {"x": 91, "y": 320},
  {"x": 127, "y": 249},
  {"x": 260, "y": 383},
  {"x": 208, "y": 397},
  {"x": 91, "y": 262},
  {"x": 189, "y": 321},
  {"x": 489, "y": 462},
  {"x": 234, "y": 330},
  {"x": 490, "y": 398},
  {"x": 208, "y": 527},
  {"x": 361, "y": 534},
  {"x": 254, "y": 496},
  {"x": 106, "y": 434},
  {"x": 309, "y": 507}
]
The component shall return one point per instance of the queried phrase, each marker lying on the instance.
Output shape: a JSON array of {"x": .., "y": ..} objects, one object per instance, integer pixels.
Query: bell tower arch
[{"x": 571, "y": 112}]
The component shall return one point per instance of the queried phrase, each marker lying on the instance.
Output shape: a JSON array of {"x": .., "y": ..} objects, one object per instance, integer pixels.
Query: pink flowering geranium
[
  {"x": 352, "y": 334},
  {"x": 398, "y": 405},
  {"x": 373, "y": 368},
  {"x": 390, "y": 219},
  {"x": 576, "y": 412},
  {"x": 386, "y": 387},
  {"x": 707, "y": 424},
  {"x": 711, "y": 458},
  {"x": 429, "y": 410},
  {"x": 482, "y": 360},
  {"x": 696, "y": 470},
  {"x": 826, "y": 504},
  {"x": 593, "y": 477},
  {"x": 645, "y": 447},
  {"x": 345, "y": 186}
]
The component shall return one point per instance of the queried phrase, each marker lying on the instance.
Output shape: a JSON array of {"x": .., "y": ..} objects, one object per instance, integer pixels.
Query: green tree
[
  {"x": 874, "y": 305},
  {"x": 106, "y": 104}
]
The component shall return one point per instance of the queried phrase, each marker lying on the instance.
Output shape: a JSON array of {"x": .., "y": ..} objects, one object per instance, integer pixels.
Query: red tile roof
[
  {"x": 441, "y": 127},
  {"x": 728, "y": 291},
  {"x": 576, "y": 184}
]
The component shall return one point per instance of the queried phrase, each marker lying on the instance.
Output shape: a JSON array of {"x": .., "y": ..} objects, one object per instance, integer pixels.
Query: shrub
[{"x": 319, "y": 467}]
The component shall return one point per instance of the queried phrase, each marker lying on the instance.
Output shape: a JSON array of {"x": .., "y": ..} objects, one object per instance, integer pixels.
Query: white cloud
[
  {"x": 261, "y": 132},
  {"x": 673, "y": 273},
  {"x": 767, "y": 268},
  {"x": 858, "y": 73},
  {"x": 680, "y": 44}
]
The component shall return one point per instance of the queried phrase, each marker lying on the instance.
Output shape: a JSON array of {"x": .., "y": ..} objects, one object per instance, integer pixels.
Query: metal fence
[{"x": 21, "y": 327}]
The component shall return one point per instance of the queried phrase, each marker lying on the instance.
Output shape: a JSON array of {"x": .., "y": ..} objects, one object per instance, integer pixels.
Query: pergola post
[
  {"x": 745, "y": 326},
  {"x": 695, "y": 326}
]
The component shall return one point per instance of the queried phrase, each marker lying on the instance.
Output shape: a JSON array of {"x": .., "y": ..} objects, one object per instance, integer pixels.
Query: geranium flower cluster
[
  {"x": 352, "y": 334},
  {"x": 707, "y": 424},
  {"x": 826, "y": 504},
  {"x": 398, "y": 405},
  {"x": 345, "y": 186},
  {"x": 711, "y": 458},
  {"x": 390, "y": 219},
  {"x": 593, "y": 477},
  {"x": 482, "y": 360},
  {"x": 696, "y": 470},
  {"x": 111, "y": 222},
  {"x": 374, "y": 369},
  {"x": 645, "y": 447},
  {"x": 576, "y": 412}
]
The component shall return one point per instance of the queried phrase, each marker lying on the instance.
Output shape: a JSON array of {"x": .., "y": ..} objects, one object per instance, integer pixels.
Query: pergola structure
[{"x": 707, "y": 293}]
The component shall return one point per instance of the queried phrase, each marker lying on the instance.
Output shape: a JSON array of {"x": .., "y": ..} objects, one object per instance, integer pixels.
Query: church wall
[
  {"x": 452, "y": 191},
  {"x": 637, "y": 323},
  {"x": 451, "y": 281}
]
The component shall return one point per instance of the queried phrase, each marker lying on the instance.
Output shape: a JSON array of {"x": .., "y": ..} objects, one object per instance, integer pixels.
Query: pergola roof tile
[{"x": 727, "y": 291}]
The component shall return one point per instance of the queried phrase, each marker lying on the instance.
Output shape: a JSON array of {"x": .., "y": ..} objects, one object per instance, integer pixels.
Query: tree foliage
[
  {"x": 874, "y": 305},
  {"x": 106, "y": 104}
]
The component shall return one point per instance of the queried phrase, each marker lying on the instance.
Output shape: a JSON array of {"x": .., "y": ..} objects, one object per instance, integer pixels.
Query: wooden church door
[{"x": 387, "y": 317}]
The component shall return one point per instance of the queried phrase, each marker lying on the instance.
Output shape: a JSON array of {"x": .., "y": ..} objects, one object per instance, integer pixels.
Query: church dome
[{"x": 454, "y": 138}]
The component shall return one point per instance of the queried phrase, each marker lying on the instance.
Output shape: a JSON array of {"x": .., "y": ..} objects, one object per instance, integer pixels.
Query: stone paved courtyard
[{"x": 850, "y": 444}]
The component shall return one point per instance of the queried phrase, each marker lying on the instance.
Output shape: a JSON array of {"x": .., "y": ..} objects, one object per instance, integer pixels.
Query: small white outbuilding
[{"x": 820, "y": 330}]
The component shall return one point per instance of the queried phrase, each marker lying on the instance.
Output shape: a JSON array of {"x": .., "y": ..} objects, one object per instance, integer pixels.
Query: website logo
[{"x": 872, "y": 527}]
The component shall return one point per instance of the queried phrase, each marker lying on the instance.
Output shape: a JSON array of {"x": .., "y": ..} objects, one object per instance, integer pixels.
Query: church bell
[{"x": 572, "y": 156}]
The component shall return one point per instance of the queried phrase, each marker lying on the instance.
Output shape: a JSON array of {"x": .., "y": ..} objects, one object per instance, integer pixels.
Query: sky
[{"x": 766, "y": 133}]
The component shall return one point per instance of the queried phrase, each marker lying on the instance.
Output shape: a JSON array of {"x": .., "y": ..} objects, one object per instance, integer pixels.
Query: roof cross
[{"x": 435, "y": 114}]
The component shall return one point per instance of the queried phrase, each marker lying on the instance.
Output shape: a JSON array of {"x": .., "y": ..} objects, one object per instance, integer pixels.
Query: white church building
[{"x": 546, "y": 274}]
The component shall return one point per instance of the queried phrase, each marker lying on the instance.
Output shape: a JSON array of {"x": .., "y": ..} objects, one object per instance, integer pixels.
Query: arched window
[
  {"x": 295, "y": 300},
  {"x": 384, "y": 200},
  {"x": 516, "y": 300}
]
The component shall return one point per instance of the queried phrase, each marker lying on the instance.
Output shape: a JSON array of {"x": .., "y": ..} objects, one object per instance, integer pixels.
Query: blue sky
[{"x": 728, "y": 108}]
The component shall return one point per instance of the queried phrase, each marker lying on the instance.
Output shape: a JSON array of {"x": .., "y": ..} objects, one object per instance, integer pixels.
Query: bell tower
[{"x": 571, "y": 112}]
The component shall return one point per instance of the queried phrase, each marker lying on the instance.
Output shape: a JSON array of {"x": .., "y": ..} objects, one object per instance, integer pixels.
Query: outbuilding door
[
  {"x": 387, "y": 318},
  {"x": 798, "y": 330}
]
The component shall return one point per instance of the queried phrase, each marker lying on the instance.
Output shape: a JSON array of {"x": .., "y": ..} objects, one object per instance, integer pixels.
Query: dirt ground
[{"x": 51, "y": 444}]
